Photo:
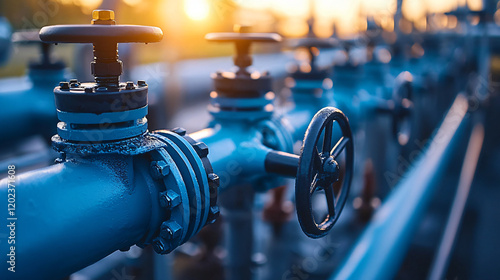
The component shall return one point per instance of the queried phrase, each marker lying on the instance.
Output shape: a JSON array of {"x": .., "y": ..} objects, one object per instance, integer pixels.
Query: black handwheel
[
  {"x": 242, "y": 39},
  {"x": 320, "y": 170},
  {"x": 104, "y": 34},
  {"x": 102, "y": 30},
  {"x": 403, "y": 106}
]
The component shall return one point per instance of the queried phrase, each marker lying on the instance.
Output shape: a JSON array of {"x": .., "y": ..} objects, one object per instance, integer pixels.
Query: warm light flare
[{"x": 196, "y": 9}]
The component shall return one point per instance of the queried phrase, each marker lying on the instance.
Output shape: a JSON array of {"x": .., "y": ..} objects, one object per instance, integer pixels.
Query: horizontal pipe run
[
  {"x": 73, "y": 214},
  {"x": 381, "y": 248}
]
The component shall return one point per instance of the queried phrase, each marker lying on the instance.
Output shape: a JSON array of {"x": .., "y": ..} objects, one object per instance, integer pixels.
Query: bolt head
[
  {"x": 130, "y": 85},
  {"x": 160, "y": 246},
  {"x": 170, "y": 230},
  {"x": 159, "y": 169},
  {"x": 239, "y": 28},
  {"x": 64, "y": 85},
  {"x": 179, "y": 131},
  {"x": 141, "y": 83},
  {"x": 213, "y": 180},
  {"x": 213, "y": 214},
  {"x": 201, "y": 149},
  {"x": 103, "y": 15},
  {"x": 169, "y": 199}
]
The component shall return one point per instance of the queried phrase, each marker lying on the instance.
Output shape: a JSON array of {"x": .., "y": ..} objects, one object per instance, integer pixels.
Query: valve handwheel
[
  {"x": 242, "y": 38},
  {"x": 319, "y": 169},
  {"x": 402, "y": 97},
  {"x": 105, "y": 35},
  {"x": 103, "y": 29}
]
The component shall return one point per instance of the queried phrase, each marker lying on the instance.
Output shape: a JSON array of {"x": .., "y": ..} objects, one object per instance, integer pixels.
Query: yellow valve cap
[
  {"x": 239, "y": 28},
  {"x": 103, "y": 15}
]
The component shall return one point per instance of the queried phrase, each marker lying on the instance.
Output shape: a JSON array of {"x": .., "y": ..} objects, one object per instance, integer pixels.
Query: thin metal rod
[{"x": 443, "y": 254}]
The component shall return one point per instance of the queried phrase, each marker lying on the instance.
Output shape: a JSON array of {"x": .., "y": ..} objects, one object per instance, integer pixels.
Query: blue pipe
[
  {"x": 381, "y": 248},
  {"x": 238, "y": 155},
  {"x": 75, "y": 213},
  {"x": 29, "y": 109}
]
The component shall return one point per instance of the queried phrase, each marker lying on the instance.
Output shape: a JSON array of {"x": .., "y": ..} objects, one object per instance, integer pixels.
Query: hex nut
[
  {"x": 159, "y": 169},
  {"x": 160, "y": 245},
  {"x": 64, "y": 85},
  {"x": 130, "y": 85},
  {"x": 141, "y": 83},
  {"x": 179, "y": 131},
  {"x": 170, "y": 230},
  {"x": 201, "y": 149},
  {"x": 213, "y": 180},
  {"x": 213, "y": 214},
  {"x": 169, "y": 199}
]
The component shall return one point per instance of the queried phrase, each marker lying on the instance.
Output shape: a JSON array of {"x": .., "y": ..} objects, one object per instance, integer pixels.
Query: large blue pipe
[
  {"x": 381, "y": 248},
  {"x": 75, "y": 213}
]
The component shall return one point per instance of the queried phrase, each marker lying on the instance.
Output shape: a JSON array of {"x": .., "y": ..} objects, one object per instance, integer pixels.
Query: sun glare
[{"x": 196, "y": 9}]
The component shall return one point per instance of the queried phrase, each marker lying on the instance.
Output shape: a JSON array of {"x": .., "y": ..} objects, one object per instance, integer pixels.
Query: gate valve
[
  {"x": 242, "y": 83},
  {"x": 108, "y": 117},
  {"x": 313, "y": 44},
  {"x": 400, "y": 108},
  {"x": 318, "y": 168},
  {"x": 82, "y": 106},
  {"x": 31, "y": 37}
]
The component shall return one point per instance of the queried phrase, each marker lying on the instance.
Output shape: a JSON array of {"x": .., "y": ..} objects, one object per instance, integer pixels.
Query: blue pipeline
[
  {"x": 28, "y": 108},
  {"x": 75, "y": 213},
  {"x": 381, "y": 248},
  {"x": 237, "y": 152}
]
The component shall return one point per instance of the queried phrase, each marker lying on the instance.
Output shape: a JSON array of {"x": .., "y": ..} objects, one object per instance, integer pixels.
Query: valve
[
  {"x": 31, "y": 37},
  {"x": 242, "y": 83},
  {"x": 313, "y": 44},
  {"x": 400, "y": 108},
  {"x": 109, "y": 117},
  {"x": 318, "y": 168},
  {"x": 243, "y": 39},
  {"x": 81, "y": 107}
]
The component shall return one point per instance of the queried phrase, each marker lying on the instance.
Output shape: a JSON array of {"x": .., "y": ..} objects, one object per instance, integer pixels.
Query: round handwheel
[
  {"x": 403, "y": 106},
  {"x": 102, "y": 30},
  {"x": 319, "y": 169},
  {"x": 105, "y": 35},
  {"x": 242, "y": 38}
]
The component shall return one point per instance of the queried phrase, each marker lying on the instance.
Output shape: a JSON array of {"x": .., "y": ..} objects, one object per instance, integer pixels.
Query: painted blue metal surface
[
  {"x": 28, "y": 108},
  {"x": 238, "y": 153},
  {"x": 95, "y": 206},
  {"x": 381, "y": 248},
  {"x": 5, "y": 42}
]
